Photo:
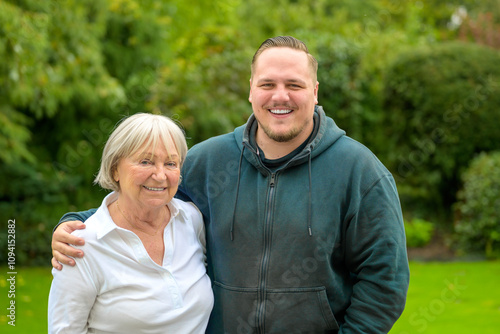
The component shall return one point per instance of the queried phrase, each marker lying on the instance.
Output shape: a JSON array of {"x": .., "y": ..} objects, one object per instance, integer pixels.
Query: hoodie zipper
[{"x": 265, "y": 259}]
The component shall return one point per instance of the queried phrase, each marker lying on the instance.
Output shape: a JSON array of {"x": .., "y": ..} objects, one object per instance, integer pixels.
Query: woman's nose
[{"x": 160, "y": 172}]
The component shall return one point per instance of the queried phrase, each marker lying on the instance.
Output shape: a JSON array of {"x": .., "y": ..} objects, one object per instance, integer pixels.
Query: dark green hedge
[{"x": 441, "y": 108}]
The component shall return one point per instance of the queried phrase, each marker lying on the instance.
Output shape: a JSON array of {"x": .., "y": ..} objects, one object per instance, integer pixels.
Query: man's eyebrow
[
  {"x": 295, "y": 81},
  {"x": 264, "y": 80}
]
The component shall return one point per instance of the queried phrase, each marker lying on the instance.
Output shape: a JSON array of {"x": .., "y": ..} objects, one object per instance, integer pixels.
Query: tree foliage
[{"x": 55, "y": 89}]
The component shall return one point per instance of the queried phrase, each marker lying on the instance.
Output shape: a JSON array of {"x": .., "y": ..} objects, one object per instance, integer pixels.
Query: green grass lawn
[
  {"x": 31, "y": 296},
  {"x": 454, "y": 297}
]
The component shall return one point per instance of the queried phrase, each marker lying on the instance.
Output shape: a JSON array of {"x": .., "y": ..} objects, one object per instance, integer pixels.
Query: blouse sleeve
[{"x": 72, "y": 295}]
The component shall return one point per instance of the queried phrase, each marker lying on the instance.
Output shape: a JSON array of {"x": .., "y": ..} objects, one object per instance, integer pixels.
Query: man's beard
[{"x": 281, "y": 137}]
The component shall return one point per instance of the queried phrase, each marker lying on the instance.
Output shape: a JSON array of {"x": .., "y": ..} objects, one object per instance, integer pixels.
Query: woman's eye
[
  {"x": 145, "y": 162},
  {"x": 171, "y": 164}
]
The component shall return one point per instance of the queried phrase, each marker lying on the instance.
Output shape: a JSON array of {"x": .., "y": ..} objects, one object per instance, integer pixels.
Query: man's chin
[{"x": 282, "y": 137}]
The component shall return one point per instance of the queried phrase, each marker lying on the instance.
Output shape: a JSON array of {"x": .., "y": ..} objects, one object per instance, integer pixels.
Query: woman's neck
[{"x": 138, "y": 219}]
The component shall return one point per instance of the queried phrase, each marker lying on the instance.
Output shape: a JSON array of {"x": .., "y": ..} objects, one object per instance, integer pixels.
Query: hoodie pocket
[{"x": 291, "y": 310}]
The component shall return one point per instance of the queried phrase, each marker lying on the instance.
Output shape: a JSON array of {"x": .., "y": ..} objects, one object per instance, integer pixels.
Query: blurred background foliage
[
  {"x": 478, "y": 207},
  {"x": 415, "y": 81}
]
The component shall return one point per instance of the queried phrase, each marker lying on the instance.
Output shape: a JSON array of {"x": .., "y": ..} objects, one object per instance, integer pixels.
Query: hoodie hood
[{"x": 325, "y": 134}]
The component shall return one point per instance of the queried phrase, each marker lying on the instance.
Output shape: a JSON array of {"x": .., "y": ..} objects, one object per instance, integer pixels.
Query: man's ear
[
  {"x": 250, "y": 94},
  {"x": 316, "y": 93}
]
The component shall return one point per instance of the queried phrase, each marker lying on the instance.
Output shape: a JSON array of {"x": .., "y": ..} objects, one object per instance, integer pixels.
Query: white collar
[{"x": 106, "y": 223}]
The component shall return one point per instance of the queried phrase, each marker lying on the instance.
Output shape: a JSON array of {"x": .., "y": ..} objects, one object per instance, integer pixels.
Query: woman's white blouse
[{"x": 117, "y": 288}]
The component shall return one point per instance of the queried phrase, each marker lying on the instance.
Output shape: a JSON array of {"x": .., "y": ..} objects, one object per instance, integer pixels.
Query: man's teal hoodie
[{"x": 315, "y": 246}]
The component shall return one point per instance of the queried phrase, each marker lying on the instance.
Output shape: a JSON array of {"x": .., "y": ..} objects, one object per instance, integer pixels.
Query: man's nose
[{"x": 281, "y": 93}]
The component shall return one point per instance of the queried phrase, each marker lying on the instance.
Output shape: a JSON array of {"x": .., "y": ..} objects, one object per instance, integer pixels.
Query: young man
[{"x": 304, "y": 226}]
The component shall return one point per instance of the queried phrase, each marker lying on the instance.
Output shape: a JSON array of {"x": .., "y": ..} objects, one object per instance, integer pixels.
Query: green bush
[
  {"x": 441, "y": 109},
  {"x": 418, "y": 232},
  {"x": 478, "y": 209}
]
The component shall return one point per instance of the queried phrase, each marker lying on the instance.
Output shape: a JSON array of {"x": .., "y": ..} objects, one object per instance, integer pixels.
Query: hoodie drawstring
[
  {"x": 309, "y": 209},
  {"x": 231, "y": 232}
]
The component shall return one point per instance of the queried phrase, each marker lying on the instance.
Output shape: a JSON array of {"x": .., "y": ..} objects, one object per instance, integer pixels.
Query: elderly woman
[{"x": 144, "y": 265}]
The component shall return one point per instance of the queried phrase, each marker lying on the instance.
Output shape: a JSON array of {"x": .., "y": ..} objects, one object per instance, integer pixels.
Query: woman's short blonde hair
[{"x": 130, "y": 135}]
